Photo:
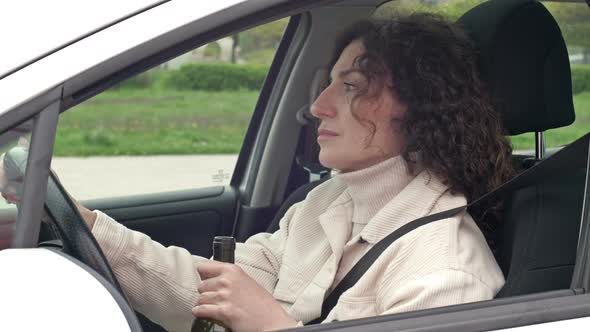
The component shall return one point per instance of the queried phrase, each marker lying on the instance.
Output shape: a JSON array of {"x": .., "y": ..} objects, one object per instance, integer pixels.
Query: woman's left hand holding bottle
[{"x": 229, "y": 295}]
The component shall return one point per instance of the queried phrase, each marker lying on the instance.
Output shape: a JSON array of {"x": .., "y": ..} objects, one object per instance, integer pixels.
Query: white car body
[{"x": 41, "y": 306}]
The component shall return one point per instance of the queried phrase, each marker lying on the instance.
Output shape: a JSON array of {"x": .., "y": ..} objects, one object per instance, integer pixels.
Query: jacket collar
[
  {"x": 373, "y": 187},
  {"x": 414, "y": 201}
]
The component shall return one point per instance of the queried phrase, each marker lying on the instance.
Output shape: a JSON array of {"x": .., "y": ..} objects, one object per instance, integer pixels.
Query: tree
[{"x": 235, "y": 47}]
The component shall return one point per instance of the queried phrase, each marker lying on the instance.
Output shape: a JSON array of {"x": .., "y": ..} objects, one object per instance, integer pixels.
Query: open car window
[
  {"x": 572, "y": 18},
  {"x": 177, "y": 126}
]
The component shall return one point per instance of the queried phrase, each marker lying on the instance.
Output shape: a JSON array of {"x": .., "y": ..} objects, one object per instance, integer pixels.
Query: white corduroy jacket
[{"x": 443, "y": 263}]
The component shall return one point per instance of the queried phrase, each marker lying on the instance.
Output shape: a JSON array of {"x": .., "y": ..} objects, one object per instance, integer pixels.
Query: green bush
[
  {"x": 580, "y": 78},
  {"x": 217, "y": 77}
]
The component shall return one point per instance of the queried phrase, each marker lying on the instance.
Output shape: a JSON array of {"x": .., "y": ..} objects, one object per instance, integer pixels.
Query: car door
[
  {"x": 187, "y": 198},
  {"x": 184, "y": 199}
]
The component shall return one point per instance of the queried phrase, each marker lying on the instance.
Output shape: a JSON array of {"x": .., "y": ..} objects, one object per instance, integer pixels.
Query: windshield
[{"x": 13, "y": 155}]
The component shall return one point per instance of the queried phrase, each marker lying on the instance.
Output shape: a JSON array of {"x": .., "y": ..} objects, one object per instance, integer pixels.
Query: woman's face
[{"x": 346, "y": 143}]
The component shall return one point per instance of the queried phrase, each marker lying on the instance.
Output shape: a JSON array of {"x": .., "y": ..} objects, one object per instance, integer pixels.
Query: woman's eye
[{"x": 349, "y": 87}]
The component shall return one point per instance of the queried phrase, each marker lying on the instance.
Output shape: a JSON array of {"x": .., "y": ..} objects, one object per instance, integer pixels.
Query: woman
[{"x": 408, "y": 124}]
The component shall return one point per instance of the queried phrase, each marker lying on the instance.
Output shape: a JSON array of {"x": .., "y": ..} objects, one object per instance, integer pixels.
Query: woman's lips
[{"x": 324, "y": 134}]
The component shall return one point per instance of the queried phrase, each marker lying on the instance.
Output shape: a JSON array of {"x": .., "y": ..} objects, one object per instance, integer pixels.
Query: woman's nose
[{"x": 323, "y": 107}]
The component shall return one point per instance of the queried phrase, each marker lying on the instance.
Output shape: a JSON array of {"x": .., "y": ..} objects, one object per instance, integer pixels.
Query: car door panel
[
  {"x": 188, "y": 219},
  {"x": 480, "y": 316}
]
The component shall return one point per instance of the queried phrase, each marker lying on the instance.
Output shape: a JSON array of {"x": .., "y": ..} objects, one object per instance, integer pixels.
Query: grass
[{"x": 148, "y": 122}]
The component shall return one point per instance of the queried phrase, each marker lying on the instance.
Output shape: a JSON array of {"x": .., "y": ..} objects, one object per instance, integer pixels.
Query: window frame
[{"x": 28, "y": 221}]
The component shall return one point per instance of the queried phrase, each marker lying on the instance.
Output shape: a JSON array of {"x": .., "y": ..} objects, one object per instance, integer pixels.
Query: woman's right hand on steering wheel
[
  {"x": 11, "y": 190},
  {"x": 88, "y": 216}
]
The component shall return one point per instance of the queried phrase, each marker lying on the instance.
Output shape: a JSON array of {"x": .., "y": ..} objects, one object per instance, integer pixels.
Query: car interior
[{"x": 524, "y": 61}]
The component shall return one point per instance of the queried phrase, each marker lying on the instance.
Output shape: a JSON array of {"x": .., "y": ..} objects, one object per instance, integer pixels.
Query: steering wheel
[
  {"x": 79, "y": 242},
  {"x": 76, "y": 237}
]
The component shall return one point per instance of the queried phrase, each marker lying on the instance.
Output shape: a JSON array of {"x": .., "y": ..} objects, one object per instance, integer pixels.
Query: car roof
[
  {"x": 66, "y": 54},
  {"x": 54, "y": 24}
]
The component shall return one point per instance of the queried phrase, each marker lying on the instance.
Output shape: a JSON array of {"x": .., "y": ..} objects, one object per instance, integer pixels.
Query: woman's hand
[
  {"x": 229, "y": 295},
  {"x": 9, "y": 188},
  {"x": 88, "y": 216}
]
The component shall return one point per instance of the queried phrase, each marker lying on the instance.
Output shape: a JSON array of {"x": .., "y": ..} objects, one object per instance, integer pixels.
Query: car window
[
  {"x": 573, "y": 20},
  {"x": 177, "y": 126},
  {"x": 13, "y": 155}
]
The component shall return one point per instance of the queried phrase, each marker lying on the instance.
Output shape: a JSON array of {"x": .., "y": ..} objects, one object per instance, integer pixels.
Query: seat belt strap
[
  {"x": 571, "y": 157},
  {"x": 371, "y": 256}
]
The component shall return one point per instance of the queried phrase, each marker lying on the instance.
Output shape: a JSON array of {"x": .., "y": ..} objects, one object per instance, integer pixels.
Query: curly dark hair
[{"x": 450, "y": 127}]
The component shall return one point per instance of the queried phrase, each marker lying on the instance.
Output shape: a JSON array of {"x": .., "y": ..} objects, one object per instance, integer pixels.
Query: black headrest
[{"x": 525, "y": 63}]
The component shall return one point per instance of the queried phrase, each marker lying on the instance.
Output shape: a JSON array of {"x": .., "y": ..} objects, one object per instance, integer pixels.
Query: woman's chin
[
  {"x": 326, "y": 162},
  {"x": 332, "y": 161}
]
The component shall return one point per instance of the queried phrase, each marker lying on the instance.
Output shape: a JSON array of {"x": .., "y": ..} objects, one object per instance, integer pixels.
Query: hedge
[
  {"x": 580, "y": 78},
  {"x": 221, "y": 76},
  {"x": 217, "y": 77}
]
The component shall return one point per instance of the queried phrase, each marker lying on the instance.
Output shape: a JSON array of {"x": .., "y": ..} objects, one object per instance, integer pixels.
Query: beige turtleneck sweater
[
  {"x": 369, "y": 190},
  {"x": 319, "y": 240}
]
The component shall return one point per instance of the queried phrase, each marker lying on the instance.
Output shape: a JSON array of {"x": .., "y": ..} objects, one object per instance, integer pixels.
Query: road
[{"x": 98, "y": 177}]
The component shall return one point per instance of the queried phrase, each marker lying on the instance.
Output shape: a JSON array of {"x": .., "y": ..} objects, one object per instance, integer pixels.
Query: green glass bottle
[{"x": 224, "y": 248}]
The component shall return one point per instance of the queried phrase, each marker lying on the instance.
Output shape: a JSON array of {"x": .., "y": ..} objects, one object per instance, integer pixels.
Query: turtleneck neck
[{"x": 373, "y": 187}]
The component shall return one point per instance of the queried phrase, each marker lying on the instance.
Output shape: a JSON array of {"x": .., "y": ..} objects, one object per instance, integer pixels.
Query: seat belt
[
  {"x": 568, "y": 159},
  {"x": 308, "y": 158}
]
